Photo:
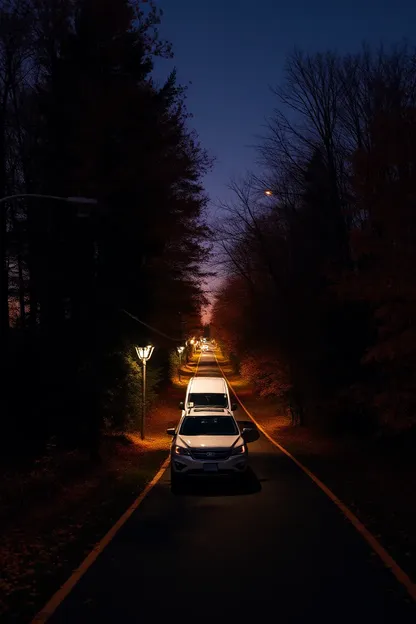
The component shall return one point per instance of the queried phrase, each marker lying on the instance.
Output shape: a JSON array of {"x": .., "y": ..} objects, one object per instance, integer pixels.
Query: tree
[
  {"x": 324, "y": 269},
  {"x": 92, "y": 122},
  {"x": 385, "y": 251}
]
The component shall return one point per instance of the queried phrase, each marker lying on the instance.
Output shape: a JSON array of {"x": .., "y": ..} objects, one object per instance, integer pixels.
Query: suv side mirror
[
  {"x": 234, "y": 406},
  {"x": 181, "y": 405},
  {"x": 171, "y": 431},
  {"x": 247, "y": 434}
]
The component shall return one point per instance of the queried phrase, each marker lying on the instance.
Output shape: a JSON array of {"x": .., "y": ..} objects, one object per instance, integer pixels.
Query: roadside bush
[
  {"x": 122, "y": 402},
  {"x": 173, "y": 365},
  {"x": 269, "y": 376}
]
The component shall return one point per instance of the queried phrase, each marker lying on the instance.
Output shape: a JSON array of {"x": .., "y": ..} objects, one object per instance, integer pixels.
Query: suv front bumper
[{"x": 187, "y": 465}]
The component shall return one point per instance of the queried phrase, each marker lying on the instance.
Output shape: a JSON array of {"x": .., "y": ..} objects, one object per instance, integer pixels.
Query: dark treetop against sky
[{"x": 233, "y": 50}]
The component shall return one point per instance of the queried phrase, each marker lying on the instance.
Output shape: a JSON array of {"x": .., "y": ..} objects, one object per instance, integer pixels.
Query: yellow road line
[
  {"x": 386, "y": 558},
  {"x": 51, "y": 606}
]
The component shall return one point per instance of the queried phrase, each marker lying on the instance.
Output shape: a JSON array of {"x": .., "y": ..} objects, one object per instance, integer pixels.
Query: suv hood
[{"x": 200, "y": 442}]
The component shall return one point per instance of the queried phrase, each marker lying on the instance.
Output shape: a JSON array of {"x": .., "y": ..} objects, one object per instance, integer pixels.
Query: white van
[{"x": 207, "y": 392}]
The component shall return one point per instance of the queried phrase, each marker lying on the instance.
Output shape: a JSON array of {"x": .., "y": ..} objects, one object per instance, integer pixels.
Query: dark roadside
[
  {"x": 374, "y": 478},
  {"x": 52, "y": 516}
]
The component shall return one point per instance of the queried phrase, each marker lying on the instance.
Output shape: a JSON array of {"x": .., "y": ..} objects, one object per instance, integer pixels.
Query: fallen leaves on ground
[{"x": 52, "y": 516}]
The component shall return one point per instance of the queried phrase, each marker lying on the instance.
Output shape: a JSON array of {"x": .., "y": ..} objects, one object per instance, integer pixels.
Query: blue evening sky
[{"x": 232, "y": 50}]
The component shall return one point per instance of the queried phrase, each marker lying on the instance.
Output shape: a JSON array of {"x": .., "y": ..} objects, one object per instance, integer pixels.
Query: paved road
[{"x": 276, "y": 548}]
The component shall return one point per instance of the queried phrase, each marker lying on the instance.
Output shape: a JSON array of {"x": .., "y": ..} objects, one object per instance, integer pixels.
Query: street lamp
[
  {"x": 282, "y": 193},
  {"x": 70, "y": 200},
  {"x": 144, "y": 354},
  {"x": 180, "y": 351},
  {"x": 192, "y": 343}
]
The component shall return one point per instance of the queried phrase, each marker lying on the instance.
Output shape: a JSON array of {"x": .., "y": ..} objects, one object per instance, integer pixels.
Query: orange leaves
[{"x": 267, "y": 373}]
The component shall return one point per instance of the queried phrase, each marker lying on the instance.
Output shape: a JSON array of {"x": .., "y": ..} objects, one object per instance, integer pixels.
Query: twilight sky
[{"x": 232, "y": 50}]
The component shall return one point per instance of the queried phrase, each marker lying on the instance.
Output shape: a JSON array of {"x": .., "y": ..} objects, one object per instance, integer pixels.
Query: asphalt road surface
[{"x": 275, "y": 547}]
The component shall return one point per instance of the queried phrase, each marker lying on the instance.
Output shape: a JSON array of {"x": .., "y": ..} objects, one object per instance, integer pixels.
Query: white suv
[{"x": 207, "y": 441}]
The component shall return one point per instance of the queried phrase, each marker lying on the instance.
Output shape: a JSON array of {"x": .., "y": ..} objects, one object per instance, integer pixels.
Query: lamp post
[
  {"x": 192, "y": 343},
  {"x": 144, "y": 354},
  {"x": 180, "y": 351}
]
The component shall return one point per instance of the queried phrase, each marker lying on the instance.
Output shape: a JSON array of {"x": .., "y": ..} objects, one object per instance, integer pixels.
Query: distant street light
[
  {"x": 180, "y": 351},
  {"x": 269, "y": 193},
  {"x": 192, "y": 343},
  {"x": 144, "y": 354}
]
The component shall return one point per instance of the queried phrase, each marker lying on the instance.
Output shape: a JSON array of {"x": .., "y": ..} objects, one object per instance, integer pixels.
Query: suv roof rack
[{"x": 207, "y": 408}]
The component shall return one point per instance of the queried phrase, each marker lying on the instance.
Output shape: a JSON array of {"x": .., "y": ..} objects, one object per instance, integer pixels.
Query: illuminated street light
[
  {"x": 282, "y": 193},
  {"x": 180, "y": 351},
  {"x": 144, "y": 354}
]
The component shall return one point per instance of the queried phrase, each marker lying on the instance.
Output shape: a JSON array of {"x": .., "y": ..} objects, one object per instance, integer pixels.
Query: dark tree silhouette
[
  {"x": 82, "y": 116},
  {"x": 320, "y": 292}
]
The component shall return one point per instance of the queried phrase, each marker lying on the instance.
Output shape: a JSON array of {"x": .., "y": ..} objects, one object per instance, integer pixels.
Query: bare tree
[{"x": 245, "y": 237}]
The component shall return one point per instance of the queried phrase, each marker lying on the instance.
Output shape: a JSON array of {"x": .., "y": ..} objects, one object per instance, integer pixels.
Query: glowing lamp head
[
  {"x": 144, "y": 353},
  {"x": 268, "y": 192},
  {"x": 180, "y": 349}
]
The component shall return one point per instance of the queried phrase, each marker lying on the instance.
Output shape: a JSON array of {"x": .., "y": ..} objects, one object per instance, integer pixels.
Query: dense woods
[
  {"x": 81, "y": 116},
  {"x": 319, "y": 304}
]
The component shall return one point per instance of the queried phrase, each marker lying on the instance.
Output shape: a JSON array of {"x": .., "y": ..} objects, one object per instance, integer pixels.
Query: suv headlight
[
  {"x": 180, "y": 450},
  {"x": 239, "y": 450}
]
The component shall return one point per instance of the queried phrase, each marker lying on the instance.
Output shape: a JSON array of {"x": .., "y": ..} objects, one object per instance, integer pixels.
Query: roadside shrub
[
  {"x": 122, "y": 402},
  {"x": 173, "y": 365},
  {"x": 269, "y": 376}
]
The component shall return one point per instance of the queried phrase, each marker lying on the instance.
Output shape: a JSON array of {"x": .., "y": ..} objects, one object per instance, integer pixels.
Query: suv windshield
[
  {"x": 211, "y": 425},
  {"x": 212, "y": 399}
]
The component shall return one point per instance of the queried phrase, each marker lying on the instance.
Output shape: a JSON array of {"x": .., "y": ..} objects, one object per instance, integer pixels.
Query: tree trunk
[
  {"x": 4, "y": 273},
  {"x": 21, "y": 291}
]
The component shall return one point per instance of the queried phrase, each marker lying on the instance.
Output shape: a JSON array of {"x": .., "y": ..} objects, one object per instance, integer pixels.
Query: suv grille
[{"x": 208, "y": 454}]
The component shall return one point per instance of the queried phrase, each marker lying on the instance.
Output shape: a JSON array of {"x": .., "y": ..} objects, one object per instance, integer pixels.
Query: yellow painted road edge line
[
  {"x": 69, "y": 585},
  {"x": 403, "y": 578},
  {"x": 59, "y": 596}
]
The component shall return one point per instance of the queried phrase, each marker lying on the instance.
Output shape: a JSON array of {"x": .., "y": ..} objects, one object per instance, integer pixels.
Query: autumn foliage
[{"x": 325, "y": 297}]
